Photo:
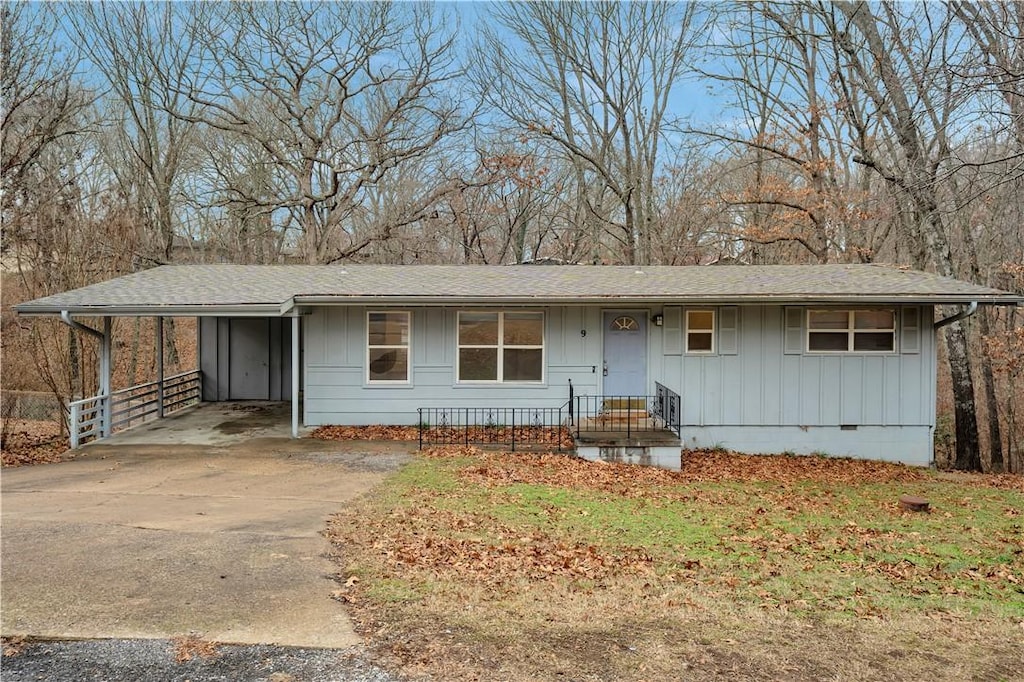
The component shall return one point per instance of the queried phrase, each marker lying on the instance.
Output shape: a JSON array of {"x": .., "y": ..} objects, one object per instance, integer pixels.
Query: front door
[
  {"x": 249, "y": 361},
  {"x": 625, "y": 353}
]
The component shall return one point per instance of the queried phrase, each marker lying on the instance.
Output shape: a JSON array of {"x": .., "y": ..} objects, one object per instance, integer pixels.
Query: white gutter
[
  {"x": 962, "y": 315},
  {"x": 74, "y": 324},
  {"x": 326, "y": 300},
  {"x": 239, "y": 310}
]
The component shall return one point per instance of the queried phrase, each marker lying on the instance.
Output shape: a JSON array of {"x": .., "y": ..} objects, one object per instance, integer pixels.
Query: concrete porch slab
[{"x": 222, "y": 423}]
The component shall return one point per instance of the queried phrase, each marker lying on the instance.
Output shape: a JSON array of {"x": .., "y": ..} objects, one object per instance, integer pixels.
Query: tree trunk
[
  {"x": 995, "y": 440},
  {"x": 133, "y": 356},
  {"x": 170, "y": 345},
  {"x": 968, "y": 451}
]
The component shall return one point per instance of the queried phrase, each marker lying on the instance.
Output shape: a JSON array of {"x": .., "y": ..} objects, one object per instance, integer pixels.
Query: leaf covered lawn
[{"x": 534, "y": 548}]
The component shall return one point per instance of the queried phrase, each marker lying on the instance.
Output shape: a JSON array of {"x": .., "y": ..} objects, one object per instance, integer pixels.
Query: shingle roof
[{"x": 274, "y": 289}]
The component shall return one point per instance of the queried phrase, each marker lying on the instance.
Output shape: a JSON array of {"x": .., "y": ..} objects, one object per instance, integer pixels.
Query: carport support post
[
  {"x": 105, "y": 376},
  {"x": 159, "y": 367},
  {"x": 295, "y": 376}
]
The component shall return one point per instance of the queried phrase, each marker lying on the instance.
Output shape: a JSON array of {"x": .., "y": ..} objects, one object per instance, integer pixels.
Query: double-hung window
[
  {"x": 501, "y": 347},
  {"x": 700, "y": 331},
  {"x": 387, "y": 347},
  {"x": 851, "y": 331}
]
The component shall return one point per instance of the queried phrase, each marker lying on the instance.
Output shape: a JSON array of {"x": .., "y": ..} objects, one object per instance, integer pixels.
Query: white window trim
[
  {"x": 713, "y": 331},
  {"x": 407, "y": 346},
  {"x": 500, "y": 348},
  {"x": 851, "y": 332}
]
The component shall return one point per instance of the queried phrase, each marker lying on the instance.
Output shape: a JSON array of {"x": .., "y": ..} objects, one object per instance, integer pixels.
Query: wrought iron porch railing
[
  {"x": 668, "y": 407},
  {"x": 512, "y": 427},
  {"x": 627, "y": 414}
]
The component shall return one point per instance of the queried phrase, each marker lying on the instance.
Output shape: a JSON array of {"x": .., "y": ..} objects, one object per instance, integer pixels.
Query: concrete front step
[{"x": 618, "y": 420}]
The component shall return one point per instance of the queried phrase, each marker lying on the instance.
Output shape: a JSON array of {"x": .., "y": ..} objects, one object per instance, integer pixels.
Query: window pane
[
  {"x": 524, "y": 329},
  {"x": 874, "y": 341},
  {"x": 478, "y": 329},
  {"x": 828, "y": 341},
  {"x": 700, "y": 319},
  {"x": 478, "y": 364},
  {"x": 874, "y": 319},
  {"x": 699, "y": 342},
  {"x": 625, "y": 324},
  {"x": 389, "y": 364},
  {"x": 388, "y": 329},
  {"x": 523, "y": 364},
  {"x": 829, "y": 319}
]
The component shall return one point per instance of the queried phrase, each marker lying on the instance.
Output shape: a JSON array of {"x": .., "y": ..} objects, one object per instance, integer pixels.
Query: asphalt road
[{"x": 116, "y": 660}]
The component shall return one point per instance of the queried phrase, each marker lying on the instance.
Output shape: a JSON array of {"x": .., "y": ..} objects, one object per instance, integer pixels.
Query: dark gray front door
[
  {"x": 625, "y": 353},
  {"x": 249, "y": 377}
]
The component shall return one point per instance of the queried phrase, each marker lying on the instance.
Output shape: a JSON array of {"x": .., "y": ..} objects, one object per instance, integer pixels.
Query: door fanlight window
[{"x": 625, "y": 323}]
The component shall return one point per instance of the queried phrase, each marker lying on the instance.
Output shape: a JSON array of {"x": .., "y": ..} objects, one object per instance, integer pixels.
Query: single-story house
[{"x": 837, "y": 359}]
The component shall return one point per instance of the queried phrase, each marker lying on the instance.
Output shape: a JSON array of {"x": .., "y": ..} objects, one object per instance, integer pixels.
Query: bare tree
[
  {"x": 903, "y": 104},
  {"x": 796, "y": 184},
  {"x": 146, "y": 60},
  {"x": 595, "y": 81},
  {"x": 40, "y": 105},
  {"x": 337, "y": 96}
]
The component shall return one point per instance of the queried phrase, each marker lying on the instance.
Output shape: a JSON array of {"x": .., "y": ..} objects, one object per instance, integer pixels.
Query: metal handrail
[
  {"x": 668, "y": 406},
  {"x": 628, "y": 414}
]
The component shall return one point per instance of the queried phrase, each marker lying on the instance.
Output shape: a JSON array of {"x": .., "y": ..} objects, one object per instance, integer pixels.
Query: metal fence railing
[
  {"x": 31, "y": 406},
  {"x": 512, "y": 427}
]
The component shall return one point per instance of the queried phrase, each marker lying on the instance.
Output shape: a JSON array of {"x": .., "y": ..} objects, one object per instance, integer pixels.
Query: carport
[{"x": 249, "y": 343}]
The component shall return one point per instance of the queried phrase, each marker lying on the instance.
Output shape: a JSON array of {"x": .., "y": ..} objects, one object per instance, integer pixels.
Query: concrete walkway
[{"x": 155, "y": 541}]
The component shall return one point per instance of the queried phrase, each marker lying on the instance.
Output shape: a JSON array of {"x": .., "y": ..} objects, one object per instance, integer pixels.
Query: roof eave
[
  {"x": 235, "y": 310},
  {"x": 803, "y": 299}
]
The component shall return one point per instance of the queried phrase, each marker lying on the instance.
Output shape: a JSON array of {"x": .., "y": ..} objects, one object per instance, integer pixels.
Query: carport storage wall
[{"x": 245, "y": 358}]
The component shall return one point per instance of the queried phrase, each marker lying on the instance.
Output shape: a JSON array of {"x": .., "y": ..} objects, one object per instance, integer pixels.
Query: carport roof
[{"x": 278, "y": 289}]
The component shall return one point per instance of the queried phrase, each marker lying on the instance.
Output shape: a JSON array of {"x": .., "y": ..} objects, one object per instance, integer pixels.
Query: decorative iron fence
[
  {"x": 101, "y": 415},
  {"x": 512, "y": 427}
]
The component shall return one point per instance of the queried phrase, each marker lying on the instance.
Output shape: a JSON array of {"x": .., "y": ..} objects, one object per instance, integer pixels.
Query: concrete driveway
[{"x": 155, "y": 541}]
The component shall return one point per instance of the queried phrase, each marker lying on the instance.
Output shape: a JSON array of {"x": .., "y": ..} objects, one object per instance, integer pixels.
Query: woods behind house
[{"x": 140, "y": 134}]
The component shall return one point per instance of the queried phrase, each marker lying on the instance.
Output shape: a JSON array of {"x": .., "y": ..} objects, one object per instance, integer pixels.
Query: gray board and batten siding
[{"x": 758, "y": 391}]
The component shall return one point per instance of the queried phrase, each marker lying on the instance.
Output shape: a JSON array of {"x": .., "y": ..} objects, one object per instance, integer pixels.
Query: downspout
[
  {"x": 104, "y": 370},
  {"x": 75, "y": 324},
  {"x": 962, "y": 315}
]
